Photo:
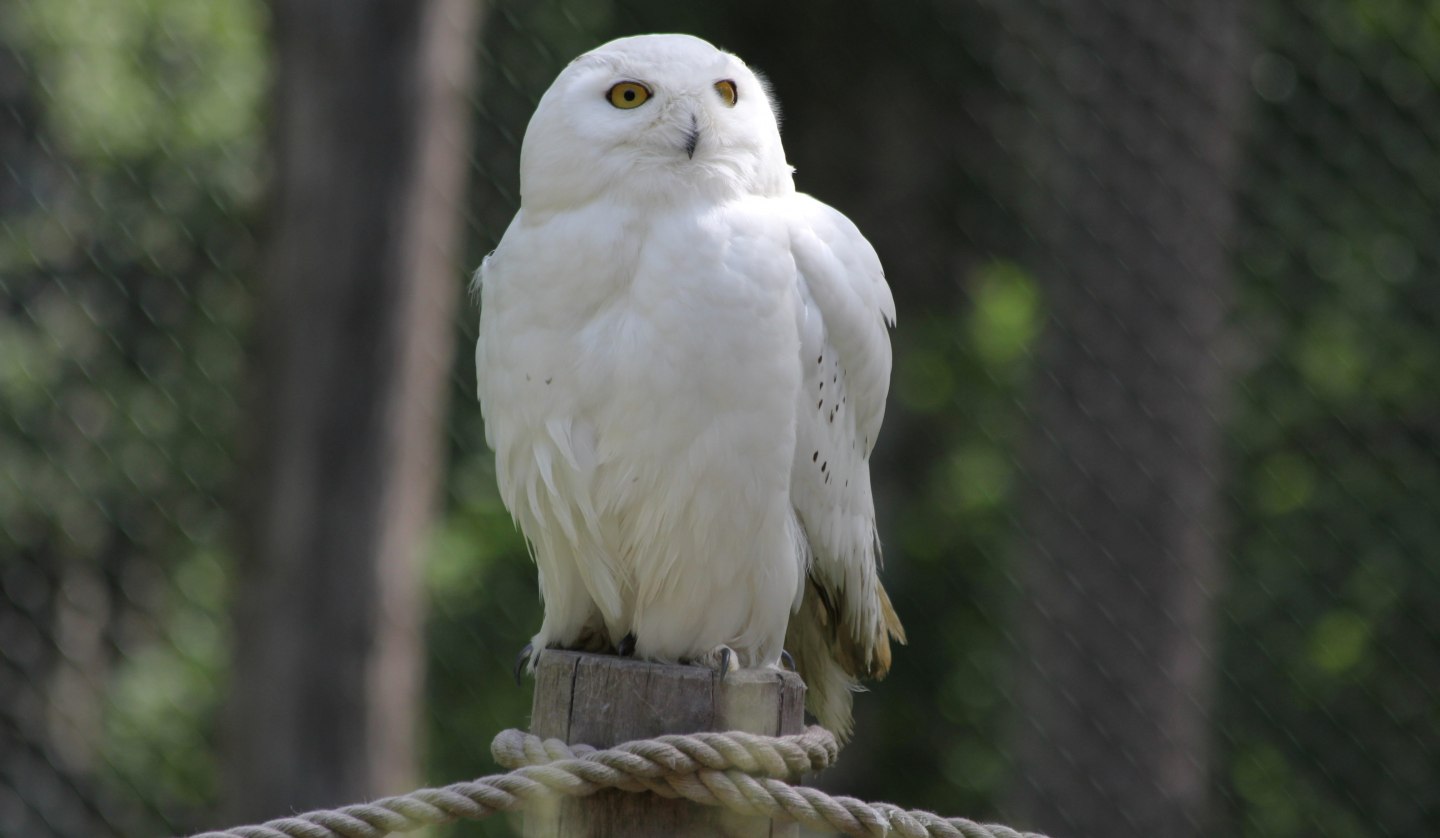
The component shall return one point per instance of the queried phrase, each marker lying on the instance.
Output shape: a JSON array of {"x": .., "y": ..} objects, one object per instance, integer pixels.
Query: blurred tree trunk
[
  {"x": 354, "y": 338},
  {"x": 1123, "y": 561}
]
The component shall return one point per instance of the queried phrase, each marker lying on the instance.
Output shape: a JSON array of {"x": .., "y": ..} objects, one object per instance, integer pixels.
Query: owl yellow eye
[
  {"x": 727, "y": 92},
  {"x": 628, "y": 94}
]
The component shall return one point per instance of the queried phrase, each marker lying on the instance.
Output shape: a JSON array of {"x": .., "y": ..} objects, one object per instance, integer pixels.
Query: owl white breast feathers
[{"x": 683, "y": 365}]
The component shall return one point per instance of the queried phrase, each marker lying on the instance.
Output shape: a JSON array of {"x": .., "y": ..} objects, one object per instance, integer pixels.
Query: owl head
[{"x": 652, "y": 118}]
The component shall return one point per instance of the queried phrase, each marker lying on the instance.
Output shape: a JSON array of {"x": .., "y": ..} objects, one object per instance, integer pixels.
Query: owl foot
[
  {"x": 722, "y": 659},
  {"x": 522, "y": 659},
  {"x": 626, "y": 648},
  {"x": 786, "y": 660}
]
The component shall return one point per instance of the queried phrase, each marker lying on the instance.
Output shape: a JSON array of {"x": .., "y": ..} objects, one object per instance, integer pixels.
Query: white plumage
[{"x": 683, "y": 366}]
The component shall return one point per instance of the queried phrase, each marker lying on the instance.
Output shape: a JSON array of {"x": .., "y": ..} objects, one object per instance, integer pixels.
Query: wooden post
[{"x": 603, "y": 700}]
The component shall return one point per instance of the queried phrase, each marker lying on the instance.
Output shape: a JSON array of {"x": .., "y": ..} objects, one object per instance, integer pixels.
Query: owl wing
[{"x": 845, "y": 622}]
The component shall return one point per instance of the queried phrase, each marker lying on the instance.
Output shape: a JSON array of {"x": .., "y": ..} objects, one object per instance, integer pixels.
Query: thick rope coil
[
  {"x": 744, "y": 772},
  {"x": 780, "y": 757}
]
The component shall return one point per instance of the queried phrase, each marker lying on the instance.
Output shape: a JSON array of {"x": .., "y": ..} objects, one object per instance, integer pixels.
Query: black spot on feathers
[
  {"x": 821, "y": 405},
  {"x": 815, "y": 456},
  {"x": 824, "y": 465}
]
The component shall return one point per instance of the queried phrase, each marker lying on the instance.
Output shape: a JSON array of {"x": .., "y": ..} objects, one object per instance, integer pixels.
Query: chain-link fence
[{"x": 1160, "y": 478}]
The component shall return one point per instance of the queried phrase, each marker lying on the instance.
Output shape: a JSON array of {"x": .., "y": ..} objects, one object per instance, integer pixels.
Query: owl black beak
[{"x": 692, "y": 137}]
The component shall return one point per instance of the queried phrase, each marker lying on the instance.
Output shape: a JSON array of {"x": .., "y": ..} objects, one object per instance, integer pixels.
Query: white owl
[{"x": 683, "y": 365}]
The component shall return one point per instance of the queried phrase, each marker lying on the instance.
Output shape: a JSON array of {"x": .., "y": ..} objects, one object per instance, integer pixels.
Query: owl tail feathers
[
  {"x": 828, "y": 695},
  {"x": 827, "y": 684},
  {"x": 889, "y": 628},
  {"x": 831, "y": 659}
]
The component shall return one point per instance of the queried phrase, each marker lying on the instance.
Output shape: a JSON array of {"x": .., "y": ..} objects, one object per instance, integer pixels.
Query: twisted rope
[{"x": 743, "y": 772}]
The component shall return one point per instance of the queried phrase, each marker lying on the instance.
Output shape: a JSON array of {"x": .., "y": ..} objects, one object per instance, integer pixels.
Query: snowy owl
[{"x": 683, "y": 365}]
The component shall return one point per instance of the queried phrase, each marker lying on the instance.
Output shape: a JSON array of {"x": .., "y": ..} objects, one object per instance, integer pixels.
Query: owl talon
[
  {"x": 721, "y": 659},
  {"x": 522, "y": 659},
  {"x": 786, "y": 660},
  {"x": 626, "y": 649}
]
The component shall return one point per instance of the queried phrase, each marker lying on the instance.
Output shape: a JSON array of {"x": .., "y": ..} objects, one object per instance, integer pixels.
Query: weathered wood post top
[{"x": 604, "y": 700}]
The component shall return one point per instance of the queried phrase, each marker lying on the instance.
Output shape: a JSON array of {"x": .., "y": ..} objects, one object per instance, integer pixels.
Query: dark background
[{"x": 1160, "y": 478}]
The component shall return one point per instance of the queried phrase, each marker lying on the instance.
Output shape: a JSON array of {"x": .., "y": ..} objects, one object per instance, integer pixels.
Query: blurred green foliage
[
  {"x": 123, "y": 350},
  {"x": 1329, "y": 721}
]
